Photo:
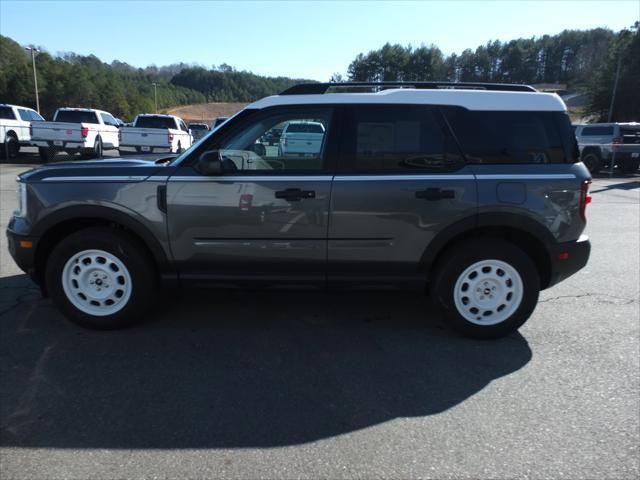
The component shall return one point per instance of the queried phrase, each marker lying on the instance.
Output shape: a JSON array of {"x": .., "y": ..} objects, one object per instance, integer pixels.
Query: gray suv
[
  {"x": 602, "y": 144},
  {"x": 471, "y": 192}
]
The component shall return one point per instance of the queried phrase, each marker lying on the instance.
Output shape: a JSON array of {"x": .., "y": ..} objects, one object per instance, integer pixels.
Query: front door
[
  {"x": 265, "y": 219},
  {"x": 400, "y": 181}
]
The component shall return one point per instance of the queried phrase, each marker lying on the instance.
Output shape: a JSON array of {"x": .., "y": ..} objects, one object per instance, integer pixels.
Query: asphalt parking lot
[{"x": 292, "y": 385}]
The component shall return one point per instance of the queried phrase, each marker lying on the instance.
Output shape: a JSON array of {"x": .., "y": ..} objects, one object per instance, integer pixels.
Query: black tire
[
  {"x": 453, "y": 264},
  {"x": 129, "y": 252},
  {"x": 179, "y": 148},
  {"x": 629, "y": 166},
  {"x": 593, "y": 161},
  {"x": 11, "y": 147},
  {"x": 97, "y": 148},
  {"x": 47, "y": 154}
]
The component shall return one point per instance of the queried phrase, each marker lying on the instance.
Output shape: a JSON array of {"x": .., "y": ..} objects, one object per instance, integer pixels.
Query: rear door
[
  {"x": 265, "y": 219},
  {"x": 400, "y": 181}
]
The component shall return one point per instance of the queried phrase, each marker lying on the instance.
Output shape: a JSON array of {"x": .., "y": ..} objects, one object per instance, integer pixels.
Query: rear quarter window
[
  {"x": 492, "y": 137},
  {"x": 6, "y": 113},
  {"x": 597, "y": 131}
]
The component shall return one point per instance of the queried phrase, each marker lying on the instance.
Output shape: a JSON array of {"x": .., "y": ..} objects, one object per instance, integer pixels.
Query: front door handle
[
  {"x": 295, "y": 194},
  {"x": 435, "y": 194}
]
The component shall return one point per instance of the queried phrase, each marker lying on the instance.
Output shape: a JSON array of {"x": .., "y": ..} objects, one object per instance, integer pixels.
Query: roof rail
[{"x": 320, "y": 88}]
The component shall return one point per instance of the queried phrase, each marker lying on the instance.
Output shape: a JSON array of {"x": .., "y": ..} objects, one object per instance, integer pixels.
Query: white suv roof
[{"x": 473, "y": 97}]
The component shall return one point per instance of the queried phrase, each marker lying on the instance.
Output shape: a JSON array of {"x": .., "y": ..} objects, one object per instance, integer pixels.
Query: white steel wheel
[
  {"x": 96, "y": 282},
  {"x": 488, "y": 292}
]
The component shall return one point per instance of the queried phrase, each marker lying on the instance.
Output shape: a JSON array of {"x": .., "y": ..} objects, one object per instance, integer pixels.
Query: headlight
[{"x": 21, "y": 211}]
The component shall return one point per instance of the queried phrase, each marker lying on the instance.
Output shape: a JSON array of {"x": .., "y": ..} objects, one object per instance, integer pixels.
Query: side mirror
[{"x": 210, "y": 163}]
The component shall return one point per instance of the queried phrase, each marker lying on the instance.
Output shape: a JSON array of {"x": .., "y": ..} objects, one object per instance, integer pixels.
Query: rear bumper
[
  {"x": 64, "y": 145},
  {"x": 567, "y": 258}
]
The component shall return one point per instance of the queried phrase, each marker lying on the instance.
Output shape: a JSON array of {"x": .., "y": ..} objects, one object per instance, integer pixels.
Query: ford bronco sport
[{"x": 472, "y": 192}]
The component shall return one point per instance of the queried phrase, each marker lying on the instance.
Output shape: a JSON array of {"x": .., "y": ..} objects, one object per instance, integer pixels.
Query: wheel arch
[
  {"x": 61, "y": 223},
  {"x": 522, "y": 231}
]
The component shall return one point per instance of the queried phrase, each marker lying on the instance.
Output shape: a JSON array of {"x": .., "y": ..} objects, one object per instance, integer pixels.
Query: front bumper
[
  {"x": 567, "y": 258},
  {"x": 22, "y": 249}
]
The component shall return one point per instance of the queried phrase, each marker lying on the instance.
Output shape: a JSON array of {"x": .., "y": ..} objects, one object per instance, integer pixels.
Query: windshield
[
  {"x": 155, "y": 122},
  {"x": 76, "y": 116}
]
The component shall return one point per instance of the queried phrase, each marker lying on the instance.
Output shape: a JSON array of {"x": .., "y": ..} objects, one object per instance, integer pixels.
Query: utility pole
[
  {"x": 615, "y": 86},
  {"x": 155, "y": 94},
  {"x": 35, "y": 77}
]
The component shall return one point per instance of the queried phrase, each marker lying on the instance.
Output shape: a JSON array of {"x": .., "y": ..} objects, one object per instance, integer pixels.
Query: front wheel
[
  {"x": 486, "y": 288},
  {"x": 101, "y": 278}
]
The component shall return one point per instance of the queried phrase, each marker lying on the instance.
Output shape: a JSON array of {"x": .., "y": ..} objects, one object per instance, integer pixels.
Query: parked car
[
  {"x": 155, "y": 133},
  {"x": 15, "y": 131},
  {"x": 198, "y": 130},
  {"x": 301, "y": 138},
  {"x": 603, "y": 143},
  {"x": 472, "y": 192},
  {"x": 218, "y": 121},
  {"x": 76, "y": 130}
]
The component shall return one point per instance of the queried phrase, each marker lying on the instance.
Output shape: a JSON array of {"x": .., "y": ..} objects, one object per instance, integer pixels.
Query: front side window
[
  {"x": 397, "y": 139},
  {"x": 299, "y": 148},
  {"x": 493, "y": 137},
  {"x": 35, "y": 116},
  {"x": 25, "y": 115},
  {"x": 108, "y": 119}
]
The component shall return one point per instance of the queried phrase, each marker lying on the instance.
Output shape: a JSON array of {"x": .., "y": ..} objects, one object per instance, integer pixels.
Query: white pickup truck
[
  {"x": 301, "y": 138},
  {"x": 154, "y": 133},
  {"x": 76, "y": 130},
  {"x": 15, "y": 131}
]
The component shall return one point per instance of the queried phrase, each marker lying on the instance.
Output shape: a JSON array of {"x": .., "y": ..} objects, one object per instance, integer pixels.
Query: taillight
[
  {"x": 84, "y": 131},
  {"x": 31, "y": 129},
  {"x": 617, "y": 141},
  {"x": 170, "y": 138},
  {"x": 246, "y": 199},
  {"x": 119, "y": 135},
  {"x": 585, "y": 199},
  {"x": 284, "y": 141}
]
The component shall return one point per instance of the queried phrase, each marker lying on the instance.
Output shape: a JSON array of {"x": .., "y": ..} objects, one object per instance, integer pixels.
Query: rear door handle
[
  {"x": 435, "y": 194},
  {"x": 295, "y": 194}
]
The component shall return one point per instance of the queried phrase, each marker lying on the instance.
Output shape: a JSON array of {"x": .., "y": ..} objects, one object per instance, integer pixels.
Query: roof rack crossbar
[{"x": 320, "y": 88}]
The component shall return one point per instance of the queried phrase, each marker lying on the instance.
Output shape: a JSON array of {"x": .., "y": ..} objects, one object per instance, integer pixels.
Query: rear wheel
[
  {"x": 47, "y": 154},
  {"x": 97, "y": 148},
  {"x": 592, "y": 161},
  {"x": 486, "y": 288},
  {"x": 11, "y": 147},
  {"x": 101, "y": 278},
  {"x": 179, "y": 148},
  {"x": 629, "y": 166}
]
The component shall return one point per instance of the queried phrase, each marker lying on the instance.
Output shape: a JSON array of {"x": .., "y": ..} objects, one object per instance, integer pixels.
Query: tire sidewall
[
  {"x": 97, "y": 149},
  {"x": 13, "y": 147},
  {"x": 592, "y": 161},
  {"x": 465, "y": 255},
  {"x": 129, "y": 253}
]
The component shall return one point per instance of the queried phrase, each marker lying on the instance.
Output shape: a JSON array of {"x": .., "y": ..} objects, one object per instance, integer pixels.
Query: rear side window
[
  {"x": 6, "y": 113},
  {"x": 597, "y": 131},
  {"x": 155, "y": 122},
  {"x": 630, "y": 134},
  {"x": 396, "y": 139},
  {"x": 76, "y": 116},
  {"x": 490, "y": 137}
]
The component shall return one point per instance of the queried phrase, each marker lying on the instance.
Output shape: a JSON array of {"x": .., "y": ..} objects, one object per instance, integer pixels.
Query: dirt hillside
[{"x": 205, "y": 112}]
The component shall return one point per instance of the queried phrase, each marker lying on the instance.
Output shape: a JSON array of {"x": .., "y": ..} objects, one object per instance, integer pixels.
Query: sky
[{"x": 301, "y": 39}]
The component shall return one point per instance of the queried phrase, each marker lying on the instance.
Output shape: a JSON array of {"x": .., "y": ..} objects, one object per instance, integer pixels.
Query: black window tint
[
  {"x": 630, "y": 134},
  {"x": 76, "y": 116},
  {"x": 506, "y": 137},
  {"x": 597, "y": 131},
  {"x": 6, "y": 113},
  {"x": 397, "y": 139},
  {"x": 155, "y": 122}
]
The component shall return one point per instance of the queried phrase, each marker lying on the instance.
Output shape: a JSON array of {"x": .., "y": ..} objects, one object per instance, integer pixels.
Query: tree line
[
  {"x": 585, "y": 61},
  {"x": 85, "y": 81}
]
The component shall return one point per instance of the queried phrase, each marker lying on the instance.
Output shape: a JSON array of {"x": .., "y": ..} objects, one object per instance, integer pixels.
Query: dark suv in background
[{"x": 472, "y": 192}]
